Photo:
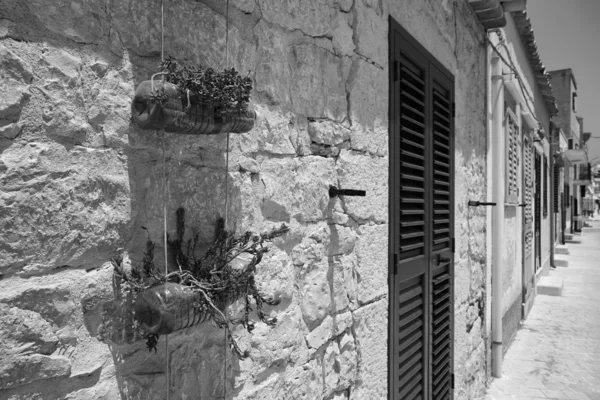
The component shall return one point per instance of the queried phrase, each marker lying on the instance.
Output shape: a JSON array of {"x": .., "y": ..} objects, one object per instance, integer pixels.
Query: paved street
[{"x": 556, "y": 354}]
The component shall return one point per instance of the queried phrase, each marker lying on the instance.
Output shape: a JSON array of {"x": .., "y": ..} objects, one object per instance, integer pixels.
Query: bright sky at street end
[{"x": 567, "y": 33}]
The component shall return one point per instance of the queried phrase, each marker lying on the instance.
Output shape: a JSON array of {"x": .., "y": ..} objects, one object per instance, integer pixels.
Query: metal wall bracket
[
  {"x": 473, "y": 203},
  {"x": 334, "y": 192}
]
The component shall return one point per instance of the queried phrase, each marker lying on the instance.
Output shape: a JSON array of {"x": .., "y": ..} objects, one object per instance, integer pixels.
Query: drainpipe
[
  {"x": 498, "y": 182},
  {"x": 551, "y": 187}
]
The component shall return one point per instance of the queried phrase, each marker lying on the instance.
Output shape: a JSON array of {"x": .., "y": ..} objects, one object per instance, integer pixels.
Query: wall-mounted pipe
[{"x": 497, "y": 213}]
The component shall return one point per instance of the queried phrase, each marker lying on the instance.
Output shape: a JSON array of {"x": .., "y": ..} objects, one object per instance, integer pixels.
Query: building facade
[{"x": 433, "y": 108}]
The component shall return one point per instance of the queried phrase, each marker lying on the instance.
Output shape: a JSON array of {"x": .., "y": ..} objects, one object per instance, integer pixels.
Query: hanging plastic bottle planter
[
  {"x": 169, "y": 307},
  {"x": 202, "y": 286},
  {"x": 194, "y": 100}
]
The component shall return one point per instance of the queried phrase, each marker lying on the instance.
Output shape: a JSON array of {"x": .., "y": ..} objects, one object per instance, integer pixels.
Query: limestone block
[
  {"x": 331, "y": 368},
  {"x": 344, "y": 5},
  {"x": 197, "y": 368},
  {"x": 328, "y": 132},
  {"x": 25, "y": 332},
  {"x": 246, "y": 6},
  {"x": 61, "y": 64},
  {"x": 11, "y": 131},
  {"x": 358, "y": 171},
  {"x": 315, "y": 297},
  {"x": 298, "y": 187},
  {"x": 275, "y": 275},
  {"x": 371, "y": 31},
  {"x": 343, "y": 41},
  {"x": 368, "y": 99},
  {"x": 303, "y": 382},
  {"x": 317, "y": 83},
  {"x": 273, "y": 72},
  {"x": 348, "y": 361},
  {"x": 273, "y": 132},
  {"x": 7, "y": 28},
  {"x": 67, "y": 207},
  {"x": 321, "y": 334},
  {"x": 342, "y": 240},
  {"x": 15, "y": 76},
  {"x": 312, "y": 17},
  {"x": 52, "y": 302},
  {"x": 83, "y": 21},
  {"x": 110, "y": 108},
  {"x": 14, "y": 67},
  {"x": 372, "y": 266},
  {"x": 22, "y": 370},
  {"x": 370, "y": 328},
  {"x": 343, "y": 282}
]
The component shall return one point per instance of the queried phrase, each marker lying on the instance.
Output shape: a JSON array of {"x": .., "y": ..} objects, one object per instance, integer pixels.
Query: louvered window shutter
[
  {"x": 421, "y": 192},
  {"x": 528, "y": 195},
  {"x": 442, "y": 296},
  {"x": 545, "y": 191},
  {"x": 556, "y": 188},
  {"x": 410, "y": 348},
  {"x": 538, "y": 191},
  {"x": 512, "y": 157}
]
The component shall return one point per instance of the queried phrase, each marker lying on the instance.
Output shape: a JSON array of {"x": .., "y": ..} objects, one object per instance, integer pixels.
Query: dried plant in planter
[
  {"x": 202, "y": 286},
  {"x": 194, "y": 100}
]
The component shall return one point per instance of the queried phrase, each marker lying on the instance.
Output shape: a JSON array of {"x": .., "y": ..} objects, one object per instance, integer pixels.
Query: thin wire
[
  {"x": 164, "y": 159},
  {"x": 513, "y": 68},
  {"x": 226, "y": 197},
  {"x": 165, "y": 180}
]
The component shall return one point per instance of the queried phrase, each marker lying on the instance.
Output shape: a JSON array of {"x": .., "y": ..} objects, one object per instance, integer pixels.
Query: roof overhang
[
  {"x": 576, "y": 156},
  {"x": 491, "y": 12}
]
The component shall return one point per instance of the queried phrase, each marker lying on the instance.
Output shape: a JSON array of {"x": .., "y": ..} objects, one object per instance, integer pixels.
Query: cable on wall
[{"x": 512, "y": 67}]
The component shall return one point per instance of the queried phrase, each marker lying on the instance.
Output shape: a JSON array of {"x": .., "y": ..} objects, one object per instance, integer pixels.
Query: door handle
[{"x": 440, "y": 259}]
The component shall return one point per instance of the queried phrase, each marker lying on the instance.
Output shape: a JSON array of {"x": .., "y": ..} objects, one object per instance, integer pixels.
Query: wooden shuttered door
[
  {"x": 512, "y": 157},
  {"x": 527, "y": 199},
  {"x": 545, "y": 185},
  {"x": 421, "y": 227},
  {"x": 556, "y": 188}
]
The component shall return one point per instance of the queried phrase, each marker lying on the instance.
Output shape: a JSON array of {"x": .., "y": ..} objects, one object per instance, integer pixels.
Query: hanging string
[
  {"x": 164, "y": 162},
  {"x": 225, "y": 331}
]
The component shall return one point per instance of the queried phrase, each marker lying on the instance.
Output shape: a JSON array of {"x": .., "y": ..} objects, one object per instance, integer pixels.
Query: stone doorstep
[
  {"x": 561, "y": 249},
  {"x": 561, "y": 260},
  {"x": 568, "y": 236},
  {"x": 550, "y": 286}
]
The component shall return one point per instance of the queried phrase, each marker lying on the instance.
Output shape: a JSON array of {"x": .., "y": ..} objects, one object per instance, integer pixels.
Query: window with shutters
[
  {"x": 512, "y": 157},
  {"x": 422, "y": 225},
  {"x": 528, "y": 196},
  {"x": 556, "y": 187},
  {"x": 545, "y": 189}
]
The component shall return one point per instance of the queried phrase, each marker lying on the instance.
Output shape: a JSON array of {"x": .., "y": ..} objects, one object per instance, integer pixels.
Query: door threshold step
[
  {"x": 550, "y": 286},
  {"x": 561, "y": 249},
  {"x": 561, "y": 260}
]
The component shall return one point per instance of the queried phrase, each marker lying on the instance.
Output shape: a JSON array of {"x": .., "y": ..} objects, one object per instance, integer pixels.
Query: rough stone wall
[{"x": 78, "y": 181}]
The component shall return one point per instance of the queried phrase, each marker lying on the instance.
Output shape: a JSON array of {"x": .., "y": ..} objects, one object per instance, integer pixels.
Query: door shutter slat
[
  {"x": 441, "y": 167},
  {"x": 441, "y": 342},
  {"x": 410, "y": 338},
  {"x": 412, "y": 159}
]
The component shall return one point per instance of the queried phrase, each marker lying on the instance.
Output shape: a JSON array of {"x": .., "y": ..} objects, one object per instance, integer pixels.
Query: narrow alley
[{"x": 556, "y": 353}]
